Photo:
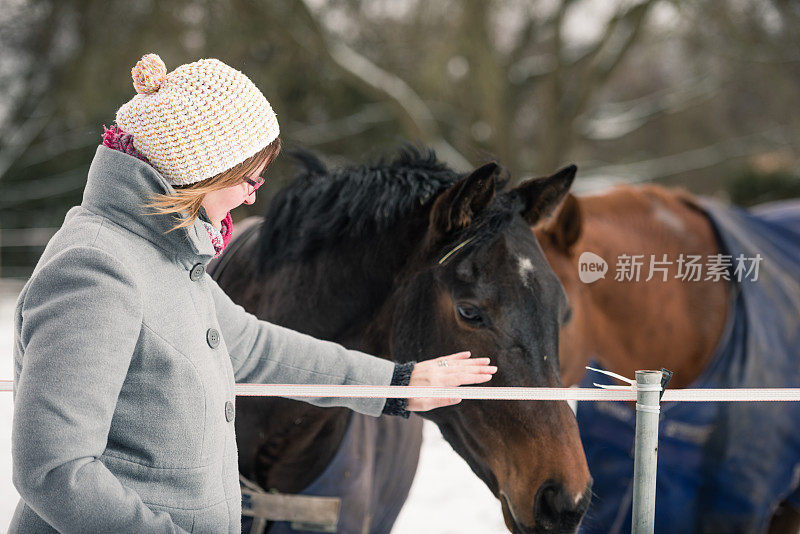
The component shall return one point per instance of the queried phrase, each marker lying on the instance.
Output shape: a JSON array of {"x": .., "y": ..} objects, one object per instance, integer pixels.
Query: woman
[{"x": 126, "y": 352}]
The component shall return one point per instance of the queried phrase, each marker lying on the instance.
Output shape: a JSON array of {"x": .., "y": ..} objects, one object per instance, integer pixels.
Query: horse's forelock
[{"x": 488, "y": 225}]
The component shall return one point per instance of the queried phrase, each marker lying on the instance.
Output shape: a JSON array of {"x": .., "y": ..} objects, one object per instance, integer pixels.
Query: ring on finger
[{"x": 443, "y": 363}]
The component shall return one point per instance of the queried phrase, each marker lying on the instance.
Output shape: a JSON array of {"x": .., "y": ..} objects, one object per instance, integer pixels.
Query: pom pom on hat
[
  {"x": 197, "y": 121},
  {"x": 149, "y": 74}
]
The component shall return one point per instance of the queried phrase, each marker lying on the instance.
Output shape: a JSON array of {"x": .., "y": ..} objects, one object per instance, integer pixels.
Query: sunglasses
[{"x": 254, "y": 184}]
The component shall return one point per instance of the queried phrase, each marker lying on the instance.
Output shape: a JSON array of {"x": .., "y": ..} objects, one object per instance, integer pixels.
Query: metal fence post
[{"x": 648, "y": 386}]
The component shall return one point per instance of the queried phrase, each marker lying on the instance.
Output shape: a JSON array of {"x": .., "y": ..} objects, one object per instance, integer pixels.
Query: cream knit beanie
[{"x": 197, "y": 121}]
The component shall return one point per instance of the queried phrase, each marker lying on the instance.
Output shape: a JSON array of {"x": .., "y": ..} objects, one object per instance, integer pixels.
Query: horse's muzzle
[{"x": 555, "y": 510}]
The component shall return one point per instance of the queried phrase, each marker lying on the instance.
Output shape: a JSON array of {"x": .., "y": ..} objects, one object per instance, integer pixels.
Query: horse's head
[
  {"x": 480, "y": 281},
  {"x": 651, "y": 222}
]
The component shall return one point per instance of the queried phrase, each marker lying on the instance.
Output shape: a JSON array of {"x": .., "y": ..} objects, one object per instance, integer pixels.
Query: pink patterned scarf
[
  {"x": 117, "y": 139},
  {"x": 220, "y": 239}
]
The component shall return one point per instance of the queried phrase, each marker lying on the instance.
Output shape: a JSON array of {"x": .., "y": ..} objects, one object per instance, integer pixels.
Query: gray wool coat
[{"x": 125, "y": 358}]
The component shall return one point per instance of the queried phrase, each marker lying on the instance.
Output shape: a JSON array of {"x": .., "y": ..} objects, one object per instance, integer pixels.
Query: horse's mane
[{"x": 322, "y": 206}]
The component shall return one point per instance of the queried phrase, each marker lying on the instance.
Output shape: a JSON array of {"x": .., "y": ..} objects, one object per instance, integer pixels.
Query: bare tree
[{"x": 632, "y": 89}]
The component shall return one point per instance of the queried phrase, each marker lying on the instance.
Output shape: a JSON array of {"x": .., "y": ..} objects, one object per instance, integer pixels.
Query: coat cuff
[{"x": 400, "y": 377}]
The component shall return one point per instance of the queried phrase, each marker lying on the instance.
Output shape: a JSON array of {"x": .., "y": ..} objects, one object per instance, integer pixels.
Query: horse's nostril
[
  {"x": 546, "y": 506},
  {"x": 555, "y": 509}
]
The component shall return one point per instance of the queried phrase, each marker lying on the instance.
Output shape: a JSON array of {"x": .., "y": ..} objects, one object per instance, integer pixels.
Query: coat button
[
  {"x": 229, "y": 411},
  {"x": 212, "y": 336},
  {"x": 197, "y": 272}
]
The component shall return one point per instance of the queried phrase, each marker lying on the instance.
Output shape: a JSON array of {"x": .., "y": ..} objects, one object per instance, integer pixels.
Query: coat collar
[{"x": 117, "y": 188}]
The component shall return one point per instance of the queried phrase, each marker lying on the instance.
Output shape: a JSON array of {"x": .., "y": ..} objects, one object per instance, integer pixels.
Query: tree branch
[
  {"x": 54, "y": 185},
  {"x": 616, "y": 120},
  {"x": 413, "y": 113},
  {"x": 334, "y": 130},
  {"x": 620, "y": 35},
  {"x": 689, "y": 160},
  {"x": 22, "y": 136}
]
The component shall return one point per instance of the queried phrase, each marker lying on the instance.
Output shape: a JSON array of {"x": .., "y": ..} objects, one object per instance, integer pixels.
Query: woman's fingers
[
  {"x": 471, "y": 362},
  {"x": 454, "y": 358},
  {"x": 424, "y": 404},
  {"x": 474, "y": 379},
  {"x": 446, "y": 402},
  {"x": 461, "y": 379},
  {"x": 471, "y": 369},
  {"x": 460, "y": 369},
  {"x": 463, "y": 360}
]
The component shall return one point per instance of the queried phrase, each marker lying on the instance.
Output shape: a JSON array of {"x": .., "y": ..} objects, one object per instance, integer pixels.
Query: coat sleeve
[
  {"x": 81, "y": 318},
  {"x": 262, "y": 352}
]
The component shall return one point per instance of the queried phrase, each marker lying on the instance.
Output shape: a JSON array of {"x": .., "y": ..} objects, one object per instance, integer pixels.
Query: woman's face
[{"x": 219, "y": 203}]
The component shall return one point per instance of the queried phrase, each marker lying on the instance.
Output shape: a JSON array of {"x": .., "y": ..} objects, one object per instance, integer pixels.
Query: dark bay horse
[
  {"x": 723, "y": 467},
  {"x": 409, "y": 260}
]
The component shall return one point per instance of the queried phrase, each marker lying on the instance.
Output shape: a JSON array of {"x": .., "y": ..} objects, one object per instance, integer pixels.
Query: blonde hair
[{"x": 189, "y": 198}]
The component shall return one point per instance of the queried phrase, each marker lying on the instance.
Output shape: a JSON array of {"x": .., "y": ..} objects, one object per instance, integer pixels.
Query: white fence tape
[{"x": 626, "y": 393}]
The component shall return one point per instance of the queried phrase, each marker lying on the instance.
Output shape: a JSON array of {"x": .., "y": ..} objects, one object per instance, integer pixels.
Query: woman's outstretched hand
[{"x": 459, "y": 369}]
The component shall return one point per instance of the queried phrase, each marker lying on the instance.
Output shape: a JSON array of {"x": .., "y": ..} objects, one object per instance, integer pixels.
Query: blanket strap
[{"x": 304, "y": 512}]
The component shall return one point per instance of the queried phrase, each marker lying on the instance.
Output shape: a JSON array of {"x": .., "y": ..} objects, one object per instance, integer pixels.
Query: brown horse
[
  {"x": 625, "y": 325},
  {"x": 409, "y": 260}
]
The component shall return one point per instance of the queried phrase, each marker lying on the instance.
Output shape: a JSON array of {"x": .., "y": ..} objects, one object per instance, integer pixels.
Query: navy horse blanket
[
  {"x": 722, "y": 467},
  {"x": 371, "y": 473}
]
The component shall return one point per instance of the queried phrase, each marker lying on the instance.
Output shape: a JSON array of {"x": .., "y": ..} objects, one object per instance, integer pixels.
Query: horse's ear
[
  {"x": 455, "y": 207},
  {"x": 567, "y": 225},
  {"x": 540, "y": 196}
]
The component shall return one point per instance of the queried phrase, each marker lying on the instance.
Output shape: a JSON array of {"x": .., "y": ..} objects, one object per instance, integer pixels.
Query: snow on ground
[{"x": 446, "y": 497}]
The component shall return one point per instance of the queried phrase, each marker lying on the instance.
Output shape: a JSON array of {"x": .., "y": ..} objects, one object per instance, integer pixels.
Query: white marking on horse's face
[
  {"x": 525, "y": 271},
  {"x": 669, "y": 219},
  {"x": 578, "y": 498}
]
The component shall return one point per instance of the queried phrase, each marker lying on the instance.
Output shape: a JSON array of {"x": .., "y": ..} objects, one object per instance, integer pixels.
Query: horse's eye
[{"x": 469, "y": 313}]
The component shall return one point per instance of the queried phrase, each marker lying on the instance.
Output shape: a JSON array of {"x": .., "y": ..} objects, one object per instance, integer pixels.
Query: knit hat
[{"x": 197, "y": 121}]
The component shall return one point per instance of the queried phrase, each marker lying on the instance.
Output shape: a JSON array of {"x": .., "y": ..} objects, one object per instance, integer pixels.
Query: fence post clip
[{"x": 666, "y": 376}]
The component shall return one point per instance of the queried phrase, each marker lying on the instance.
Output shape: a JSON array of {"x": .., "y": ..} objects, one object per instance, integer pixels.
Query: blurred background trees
[{"x": 702, "y": 94}]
